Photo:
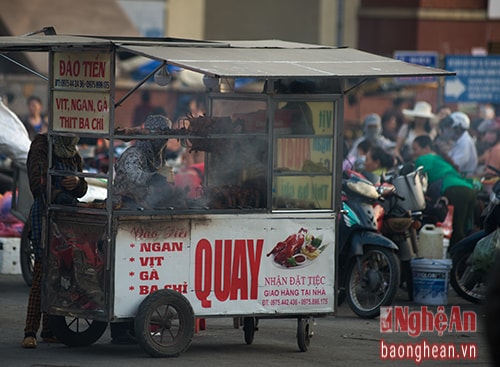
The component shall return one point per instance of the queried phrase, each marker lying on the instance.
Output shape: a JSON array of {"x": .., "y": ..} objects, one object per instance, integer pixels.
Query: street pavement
[{"x": 339, "y": 340}]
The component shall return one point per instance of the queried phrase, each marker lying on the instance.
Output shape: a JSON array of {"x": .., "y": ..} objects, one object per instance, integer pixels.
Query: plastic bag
[
  {"x": 14, "y": 140},
  {"x": 484, "y": 254}
]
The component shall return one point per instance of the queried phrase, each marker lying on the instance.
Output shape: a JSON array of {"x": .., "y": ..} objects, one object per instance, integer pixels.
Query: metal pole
[{"x": 340, "y": 23}]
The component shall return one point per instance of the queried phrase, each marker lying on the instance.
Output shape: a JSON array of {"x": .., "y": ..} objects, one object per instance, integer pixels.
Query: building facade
[
  {"x": 327, "y": 22},
  {"x": 445, "y": 26}
]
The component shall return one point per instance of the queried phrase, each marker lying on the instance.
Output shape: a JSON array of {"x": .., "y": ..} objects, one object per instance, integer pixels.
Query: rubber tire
[
  {"x": 304, "y": 334},
  {"x": 181, "y": 312},
  {"x": 249, "y": 327},
  {"x": 392, "y": 287},
  {"x": 457, "y": 260},
  {"x": 63, "y": 329},
  {"x": 26, "y": 254}
]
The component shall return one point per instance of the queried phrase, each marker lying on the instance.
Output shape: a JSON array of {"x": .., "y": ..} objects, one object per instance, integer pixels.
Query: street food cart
[{"x": 256, "y": 239}]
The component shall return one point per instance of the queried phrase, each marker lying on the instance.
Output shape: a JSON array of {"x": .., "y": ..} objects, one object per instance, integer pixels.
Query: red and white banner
[{"x": 228, "y": 265}]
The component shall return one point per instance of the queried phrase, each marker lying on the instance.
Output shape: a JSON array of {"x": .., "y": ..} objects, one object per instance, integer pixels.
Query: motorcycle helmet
[{"x": 461, "y": 120}]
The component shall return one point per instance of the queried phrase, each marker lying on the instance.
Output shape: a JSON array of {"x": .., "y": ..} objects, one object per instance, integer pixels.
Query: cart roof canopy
[{"x": 236, "y": 59}]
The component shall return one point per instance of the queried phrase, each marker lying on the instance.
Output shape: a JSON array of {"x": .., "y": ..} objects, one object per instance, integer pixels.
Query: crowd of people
[{"x": 452, "y": 150}]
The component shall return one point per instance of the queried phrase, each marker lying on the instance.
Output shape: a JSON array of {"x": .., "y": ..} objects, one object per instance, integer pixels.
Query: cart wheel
[
  {"x": 249, "y": 328},
  {"x": 76, "y": 332},
  {"x": 26, "y": 254},
  {"x": 164, "y": 325},
  {"x": 304, "y": 333}
]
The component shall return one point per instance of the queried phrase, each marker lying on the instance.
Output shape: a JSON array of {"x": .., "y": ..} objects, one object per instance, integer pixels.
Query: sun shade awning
[
  {"x": 266, "y": 62},
  {"x": 238, "y": 59},
  {"x": 45, "y": 43}
]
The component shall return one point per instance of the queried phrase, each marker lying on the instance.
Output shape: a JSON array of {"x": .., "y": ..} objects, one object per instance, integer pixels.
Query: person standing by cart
[{"x": 65, "y": 191}]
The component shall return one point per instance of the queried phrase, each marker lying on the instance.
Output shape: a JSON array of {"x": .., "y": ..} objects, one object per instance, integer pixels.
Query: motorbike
[
  {"x": 469, "y": 281},
  {"x": 402, "y": 221},
  {"x": 369, "y": 269}
]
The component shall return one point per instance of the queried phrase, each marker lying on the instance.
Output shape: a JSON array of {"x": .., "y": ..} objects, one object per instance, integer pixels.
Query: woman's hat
[{"x": 421, "y": 109}]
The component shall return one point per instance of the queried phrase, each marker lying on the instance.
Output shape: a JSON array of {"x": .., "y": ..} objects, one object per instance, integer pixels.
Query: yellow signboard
[
  {"x": 303, "y": 192},
  {"x": 323, "y": 118}
]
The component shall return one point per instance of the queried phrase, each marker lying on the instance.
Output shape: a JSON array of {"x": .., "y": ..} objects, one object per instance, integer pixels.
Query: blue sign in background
[
  {"x": 424, "y": 58},
  {"x": 477, "y": 79}
]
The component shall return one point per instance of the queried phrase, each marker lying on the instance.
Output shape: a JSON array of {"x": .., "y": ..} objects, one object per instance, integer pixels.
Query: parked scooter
[
  {"x": 403, "y": 216},
  {"x": 368, "y": 265},
  {"x": 470, "y": 281}
]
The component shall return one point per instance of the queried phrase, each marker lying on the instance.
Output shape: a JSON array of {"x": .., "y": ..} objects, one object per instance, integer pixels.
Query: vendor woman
[{"x": 138, "y": 182}]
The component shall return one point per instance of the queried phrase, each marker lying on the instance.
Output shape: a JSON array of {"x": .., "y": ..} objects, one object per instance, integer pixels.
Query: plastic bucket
[
  {"x": 431, "y": 278},
  {"x": 446, "y": 245},
  {"x": 430, "y": 244}
]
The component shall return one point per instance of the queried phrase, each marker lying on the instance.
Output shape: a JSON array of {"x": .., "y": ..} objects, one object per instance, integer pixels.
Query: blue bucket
[{"x": 431, "y": 278}]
